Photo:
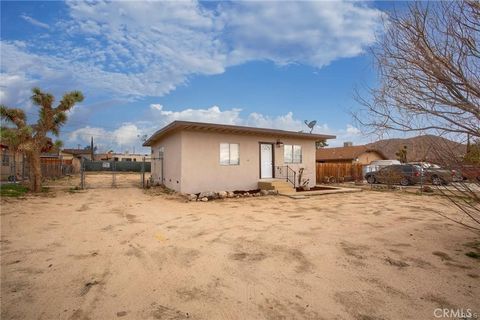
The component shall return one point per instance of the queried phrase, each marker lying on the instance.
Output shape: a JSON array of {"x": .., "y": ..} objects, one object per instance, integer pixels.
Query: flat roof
[{"x": 226, "y": 128}]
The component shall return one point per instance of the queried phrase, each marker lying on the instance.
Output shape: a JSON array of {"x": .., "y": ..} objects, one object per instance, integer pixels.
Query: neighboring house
[
  {"x": 349, "y": 154},
  {"x": 11, "y": 162},
  {"x": 69, "y": 154},
  {"x": 192, "y": 157},
  {"x": 134, "y": 157},
  {"x": 76, "y": 155}
]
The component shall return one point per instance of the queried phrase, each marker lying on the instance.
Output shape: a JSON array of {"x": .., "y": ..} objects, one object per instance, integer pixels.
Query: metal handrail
[{"x": 286, "y": 173}]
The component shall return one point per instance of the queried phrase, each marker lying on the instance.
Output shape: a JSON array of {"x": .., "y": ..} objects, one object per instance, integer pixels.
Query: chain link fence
[
  {"x": 116, "y": 174},
  {"x": 19, "y": 170}
]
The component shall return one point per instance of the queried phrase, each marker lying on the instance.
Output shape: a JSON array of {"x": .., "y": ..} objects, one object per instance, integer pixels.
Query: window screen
[
  {"x": 292, "y": 153},
  {"x": 229, "y": 154}
]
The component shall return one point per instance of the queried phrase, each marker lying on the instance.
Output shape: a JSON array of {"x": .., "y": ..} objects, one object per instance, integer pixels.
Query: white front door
[{"x": 266, "y": 161}]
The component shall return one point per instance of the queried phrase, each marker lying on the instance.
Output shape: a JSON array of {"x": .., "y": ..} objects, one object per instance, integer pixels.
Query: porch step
[{"x": 281, "y": 186}]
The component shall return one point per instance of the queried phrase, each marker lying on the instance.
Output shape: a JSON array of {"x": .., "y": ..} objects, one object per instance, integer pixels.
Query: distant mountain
[{"x": 422, "y": 148}]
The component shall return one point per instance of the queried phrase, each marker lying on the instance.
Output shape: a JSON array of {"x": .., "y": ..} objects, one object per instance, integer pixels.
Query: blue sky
[{"x": 141, "y": 65}]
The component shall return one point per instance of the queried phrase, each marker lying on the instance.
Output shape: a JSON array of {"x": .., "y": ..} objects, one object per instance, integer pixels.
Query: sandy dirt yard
[{"x": 122, "y": 253}]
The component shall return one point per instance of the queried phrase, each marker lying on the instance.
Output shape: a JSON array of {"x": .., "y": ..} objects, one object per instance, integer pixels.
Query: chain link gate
[{"x": 113, "y": 174}]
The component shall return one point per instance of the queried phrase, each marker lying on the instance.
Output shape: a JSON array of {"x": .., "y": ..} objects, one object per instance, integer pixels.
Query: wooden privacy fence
[
  {"x": 338, "y": 172},
  {"x": 55, "y": 168}
]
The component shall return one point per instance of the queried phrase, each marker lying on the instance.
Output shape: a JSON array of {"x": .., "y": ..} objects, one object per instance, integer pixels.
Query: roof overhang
[{"x": 224, "y": 128}]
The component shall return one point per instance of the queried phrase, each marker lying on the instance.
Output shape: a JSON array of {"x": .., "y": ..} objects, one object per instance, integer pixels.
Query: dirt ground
[{"x": 122, "y": 253}]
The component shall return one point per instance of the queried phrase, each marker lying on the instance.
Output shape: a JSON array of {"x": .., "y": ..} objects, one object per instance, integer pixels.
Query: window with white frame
[
  {"x": 292, "y": 153},
  {"x": 229, "y": 154}
]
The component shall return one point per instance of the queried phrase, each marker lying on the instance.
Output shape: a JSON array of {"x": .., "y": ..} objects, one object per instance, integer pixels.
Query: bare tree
[{"x": 428, "y": 63}]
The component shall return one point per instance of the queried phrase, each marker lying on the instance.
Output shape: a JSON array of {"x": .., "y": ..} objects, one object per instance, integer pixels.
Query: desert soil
[{"x": 122, "y": 253}]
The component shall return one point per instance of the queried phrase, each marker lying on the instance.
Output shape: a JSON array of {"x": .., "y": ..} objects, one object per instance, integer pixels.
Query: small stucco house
[
  {"x": 349, "y": 154},
  {"x": 192, "y": 157}
]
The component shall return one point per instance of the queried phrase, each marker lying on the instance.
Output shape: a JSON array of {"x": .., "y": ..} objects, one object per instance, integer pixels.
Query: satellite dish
[{"x": 311, "y": 124}]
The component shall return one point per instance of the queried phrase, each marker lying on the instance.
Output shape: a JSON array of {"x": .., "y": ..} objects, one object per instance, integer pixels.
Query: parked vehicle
[
  {"x": 470, "y": 173},
  {"x": 435, "y": 174},
  {"x": 376, "y": 165},
  {"x": 403, "y": 174}
]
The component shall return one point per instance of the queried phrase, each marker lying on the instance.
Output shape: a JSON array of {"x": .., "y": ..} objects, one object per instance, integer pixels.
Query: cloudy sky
[{"x": 142, "y": 65}]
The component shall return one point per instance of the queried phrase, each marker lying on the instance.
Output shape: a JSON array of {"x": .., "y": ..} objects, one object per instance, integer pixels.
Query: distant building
[
  {"x": 134, "y": 157},
  {"x": 69, "y": 154},
  {"x": 126, "y": 156}
]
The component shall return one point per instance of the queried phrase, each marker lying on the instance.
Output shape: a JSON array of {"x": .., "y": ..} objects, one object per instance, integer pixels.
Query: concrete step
[
  {"x": 268, "y": 185},
  {"x": 286, "y": 191},
  {"x": 282, "y": 186}
]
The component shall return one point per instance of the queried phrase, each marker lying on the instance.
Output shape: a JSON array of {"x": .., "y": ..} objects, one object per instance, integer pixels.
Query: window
[
  {"x": 161, "y": 152},
  {"x": 5, "y": 159},
  {"x": 292, "y": 153},
  {"x": 229, "y": 154}
]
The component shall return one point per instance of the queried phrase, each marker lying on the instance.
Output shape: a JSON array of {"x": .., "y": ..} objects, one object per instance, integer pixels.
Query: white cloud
[
  {"x": 309, "y": 32},
  {"x": 212, "y": 115},
  {"x": 15, "y": 89},
  {"x": 285, "y": 122},
  {"x": 348, "y": 134},
  {"x": 128, "y": 135},
  {"x": 35, "y": 22},
  {"x": 83, "y": 135},
  {"x": 352, "y": 130},
  {"x": 125, "y": 137},
  {"x": 134, "y": 49}
]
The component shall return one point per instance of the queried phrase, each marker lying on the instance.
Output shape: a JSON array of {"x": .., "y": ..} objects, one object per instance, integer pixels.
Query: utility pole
[{"x": 91, "y": 149}]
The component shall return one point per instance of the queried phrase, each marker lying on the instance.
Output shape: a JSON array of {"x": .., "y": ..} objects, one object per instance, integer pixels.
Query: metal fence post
[
  {"x": 23, "y": 167},
  {"x": 114, "y": 182},
  {"x": 421, "y": 180},
  {"x": 143, "y": 173},
  {"x": 82, "y": 174}
]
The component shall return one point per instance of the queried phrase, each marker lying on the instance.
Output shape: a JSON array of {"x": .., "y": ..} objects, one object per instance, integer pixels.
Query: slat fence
[{"x": 338, "y": 172}]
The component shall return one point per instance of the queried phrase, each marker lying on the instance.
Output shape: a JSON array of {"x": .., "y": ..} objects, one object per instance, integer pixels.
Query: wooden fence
[
  {"x": 55, "y": 168},
  {"x": 338, "y": 172}
]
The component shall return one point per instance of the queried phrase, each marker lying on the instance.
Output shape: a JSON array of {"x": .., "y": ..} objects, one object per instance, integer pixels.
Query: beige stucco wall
[
  {"x": 193, "y": 159},
  {"x": 172, "y": 145},
  {"x": 367, "y": 157}
]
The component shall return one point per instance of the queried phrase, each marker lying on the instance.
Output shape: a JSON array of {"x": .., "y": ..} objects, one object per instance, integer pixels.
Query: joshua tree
[
  {"x": 33, "y": 139},
  {"x": 472, "y": 156},
  {"x": 402, "y": 154}
]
